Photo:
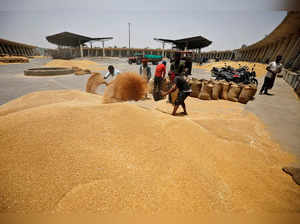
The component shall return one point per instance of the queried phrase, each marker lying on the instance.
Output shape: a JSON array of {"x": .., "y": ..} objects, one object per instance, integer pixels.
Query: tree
[{"x": 244, "y": 46}]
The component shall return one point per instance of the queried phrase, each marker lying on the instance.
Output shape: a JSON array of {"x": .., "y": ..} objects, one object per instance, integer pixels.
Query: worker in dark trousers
[
  {"x": 182, "y": 85},
  {"x": 160, "y": 73}
]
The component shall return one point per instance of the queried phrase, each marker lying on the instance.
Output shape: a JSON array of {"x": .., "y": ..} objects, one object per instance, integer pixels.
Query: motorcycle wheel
[{"x": 254, "y": 81}]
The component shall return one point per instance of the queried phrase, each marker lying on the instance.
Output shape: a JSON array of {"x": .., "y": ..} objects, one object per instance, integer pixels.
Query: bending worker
[
  {"x": 184, "y": 91},
  {"x": 112, "y": 73},
  {"x": 145, "y": 72},
  {"x": 160, "y": 73}
]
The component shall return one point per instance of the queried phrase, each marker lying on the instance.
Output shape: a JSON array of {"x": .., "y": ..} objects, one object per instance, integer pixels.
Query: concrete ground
[{"x": 279, "y": 112}]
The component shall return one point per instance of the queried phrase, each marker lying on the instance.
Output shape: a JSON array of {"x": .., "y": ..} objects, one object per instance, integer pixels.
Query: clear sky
[{"x": 229, "y": 24}]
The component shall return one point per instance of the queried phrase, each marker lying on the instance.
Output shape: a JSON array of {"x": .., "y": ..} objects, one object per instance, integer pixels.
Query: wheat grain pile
[
  {"x": 13, "y": 59},
  {"x": 65, "y": 151},
  {"x": 81, "y": 64},
  {"x": 260, "y": 69}
]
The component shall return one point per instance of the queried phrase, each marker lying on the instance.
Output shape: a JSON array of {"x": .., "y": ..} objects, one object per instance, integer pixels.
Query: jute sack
[
  {"x": 234, "y": 92},
  {"x": 225, "y": 88},
  {"x": 206, "y": 91},
  {"x": 246, "y": 94},
  {"x": 254, "y": 90},
  {"x": 174, "y": 96},
  {"x": 196, "y": 87},
  {"x": 217, "y": 90},
  {"x": 165, "y": 85}
]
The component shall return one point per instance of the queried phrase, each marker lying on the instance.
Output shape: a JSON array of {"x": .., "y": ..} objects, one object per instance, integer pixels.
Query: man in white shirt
[
  {"x": 112, "y": 73},
  {"x": 273, "y": 69}
]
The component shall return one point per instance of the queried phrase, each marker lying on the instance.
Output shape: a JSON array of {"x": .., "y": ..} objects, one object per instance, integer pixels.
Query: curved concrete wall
[
  {"x": 16, "y": 49},
  {"x": 284, "y": 40}
]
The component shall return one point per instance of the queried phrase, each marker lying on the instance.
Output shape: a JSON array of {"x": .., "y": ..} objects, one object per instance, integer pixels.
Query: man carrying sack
[
  {"x": 184, "y": 91},
  {"x": 160, "y": 73}
]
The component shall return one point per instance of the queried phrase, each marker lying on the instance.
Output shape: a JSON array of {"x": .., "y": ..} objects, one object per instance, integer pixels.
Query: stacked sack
[{"x": 214, "y": 90}]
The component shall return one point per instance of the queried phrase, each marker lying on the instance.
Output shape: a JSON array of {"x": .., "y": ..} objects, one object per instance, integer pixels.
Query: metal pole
[{"x": 129, "y": 32}]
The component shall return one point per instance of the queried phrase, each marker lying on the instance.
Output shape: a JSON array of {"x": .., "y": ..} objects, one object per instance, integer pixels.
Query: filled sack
[
  {"x": 206, "y": 91},
  {"x": 196, "y": 87},
  {"x": 234, "y": 92},
  {"x": 217, "y": 90},
  {"x": 225, "y": 89}
]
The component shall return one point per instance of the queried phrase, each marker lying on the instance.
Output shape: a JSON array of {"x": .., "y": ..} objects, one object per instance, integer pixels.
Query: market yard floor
[{"x": 279, "y": 112}]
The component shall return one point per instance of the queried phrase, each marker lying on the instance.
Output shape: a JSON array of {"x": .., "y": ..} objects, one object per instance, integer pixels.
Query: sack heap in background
[{"x": 214, "y": 90}]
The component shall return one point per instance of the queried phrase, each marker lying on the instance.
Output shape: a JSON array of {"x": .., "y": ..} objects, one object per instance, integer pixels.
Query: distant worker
[
  {"x": 112, "y": 73},
  {"x": 177, "y": 66},
  {"x": 273, "y": 69},
  {"x": 160, "y": 73},
  {"x": 145, "y": 70},
  {"x": 182, "y": 85}
]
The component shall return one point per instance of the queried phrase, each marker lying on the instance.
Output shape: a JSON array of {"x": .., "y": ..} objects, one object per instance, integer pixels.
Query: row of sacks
[{"x": 214, "y": 90}]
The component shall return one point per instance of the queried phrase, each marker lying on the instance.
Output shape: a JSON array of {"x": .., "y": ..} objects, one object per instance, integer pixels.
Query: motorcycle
[{"x": 240, "y": 75}]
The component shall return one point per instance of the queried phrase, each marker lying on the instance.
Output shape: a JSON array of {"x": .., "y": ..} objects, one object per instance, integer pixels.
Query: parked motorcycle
[{"x": 240, "y": 75}]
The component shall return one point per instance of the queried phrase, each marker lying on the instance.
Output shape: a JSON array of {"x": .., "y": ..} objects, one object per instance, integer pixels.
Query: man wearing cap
[
  {"x": 112, "y": 73},
  {"x": 145, "y": 70},
  {"x": 273, "y": 69},
  {"x": 182, "y": 85},
  {"x": 160, "y": 73}
]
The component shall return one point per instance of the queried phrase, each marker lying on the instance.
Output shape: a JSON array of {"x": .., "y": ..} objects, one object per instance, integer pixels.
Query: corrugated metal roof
[
  {"x": 72, "y": 39},
  {"x": 190, "y": 43}
]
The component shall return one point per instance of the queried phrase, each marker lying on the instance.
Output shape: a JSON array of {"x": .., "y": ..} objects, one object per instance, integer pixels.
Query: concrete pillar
[
  {"x": 261, "y": 53},
  {"x": 288, "y": 51},
  {"x": 294, "y": 52},
  {"x": 272, "y": 50},
  {"x": 276, "y": 49},
  {"x": 283, "y": 46},
  {"x": 81, "y": 50},
  {"x": 296, "y": 64},
  {"x": 267, "y": 52},
  {"x": 1, "y": 49}
]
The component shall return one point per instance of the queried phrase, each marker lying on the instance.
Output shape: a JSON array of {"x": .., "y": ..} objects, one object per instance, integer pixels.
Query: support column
[
  {"x": 294, "y": 51},
  {"x": 81, "y": 50},
  {"x": 1, "y": 49},
  {"x": 272, "y": 50},
  {"x": 266, "y": 53},
  {"x": 277, "y": 47},
  {"x": 283, "y": 46},
  {"x": 103, "y": 49},
  {"x": 291, "y": 45}
]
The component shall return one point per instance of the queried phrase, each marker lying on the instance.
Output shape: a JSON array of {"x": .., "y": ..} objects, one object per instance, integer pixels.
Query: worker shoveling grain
[
  {"x": 65, "y": 152},
  {"x": 126, "y": 86}
]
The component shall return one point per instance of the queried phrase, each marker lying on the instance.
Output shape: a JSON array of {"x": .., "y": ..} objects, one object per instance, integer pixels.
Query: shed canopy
[
  {"x": 189, "y": 43},
  {"x": 72, "y": 39}
]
